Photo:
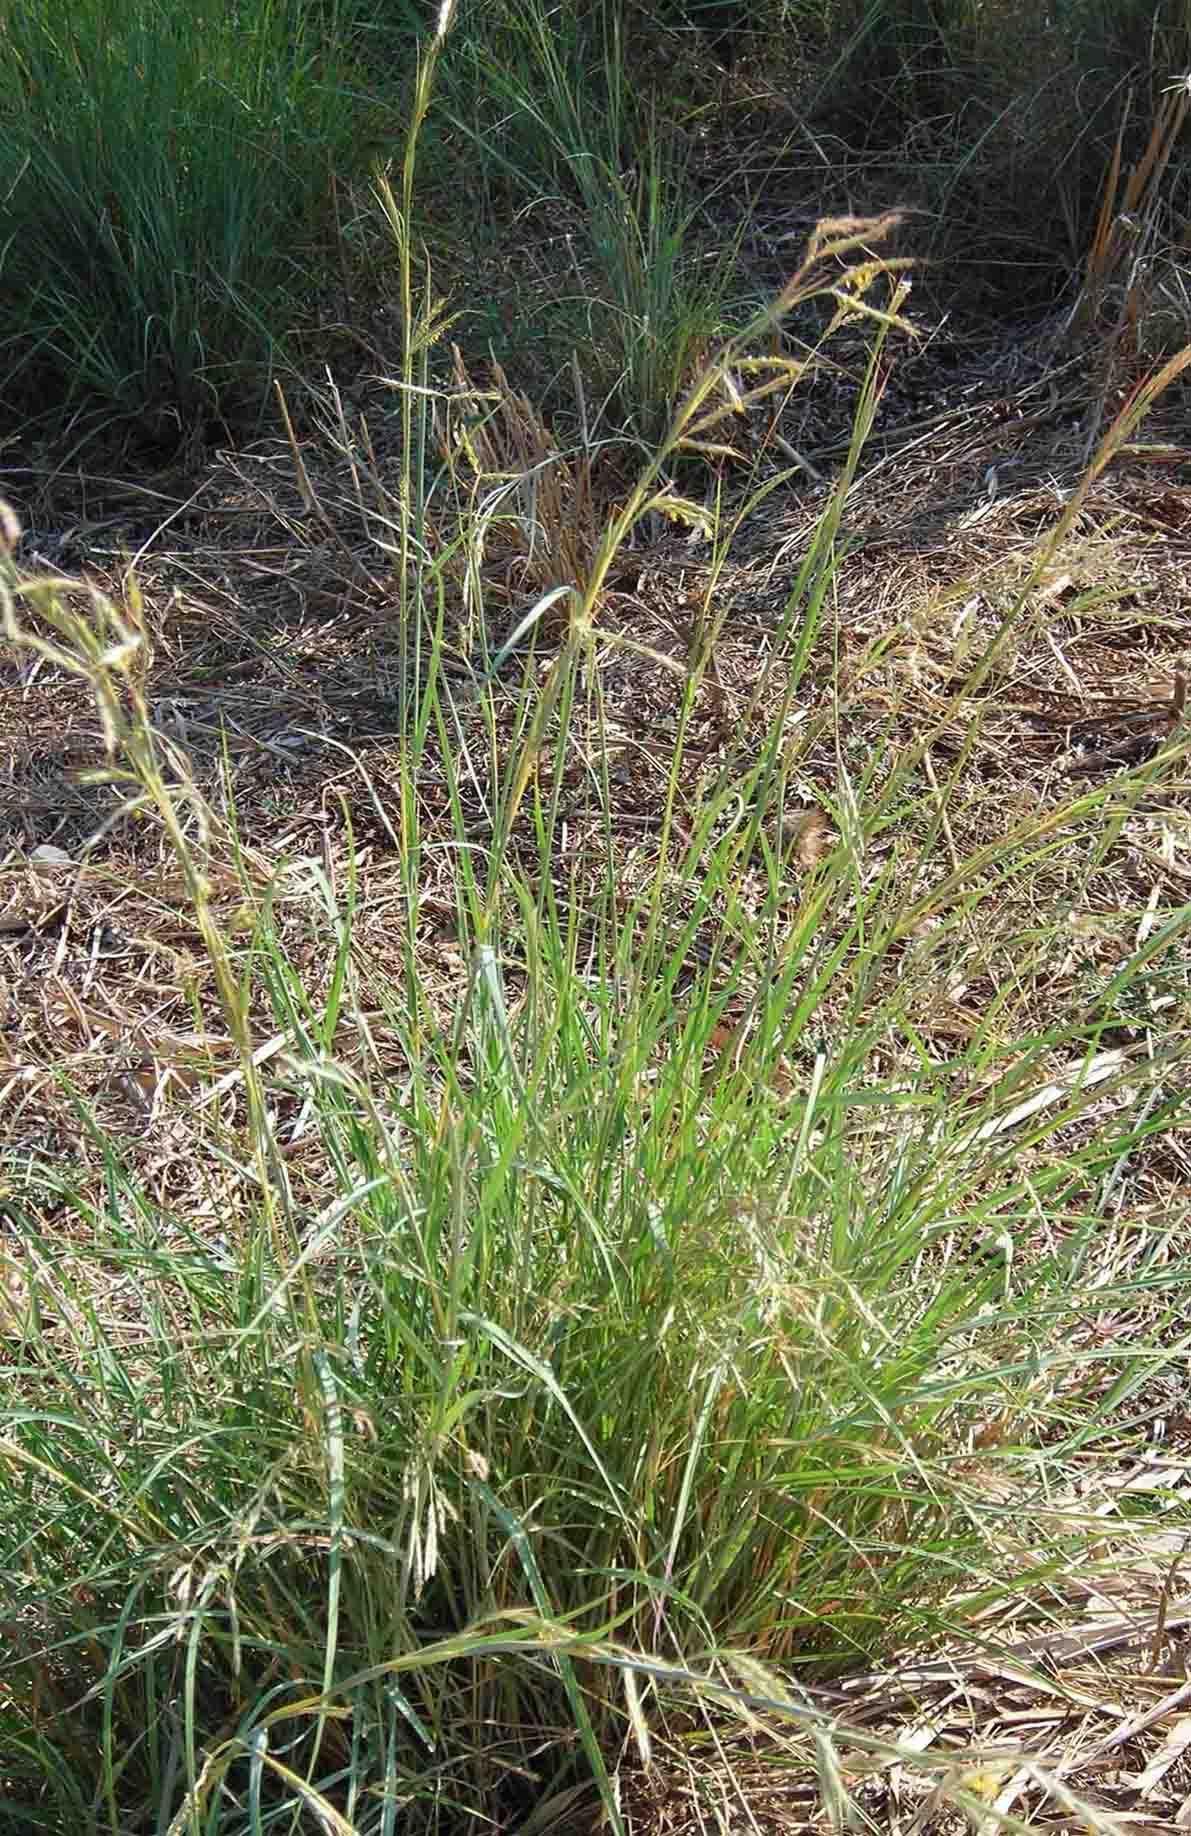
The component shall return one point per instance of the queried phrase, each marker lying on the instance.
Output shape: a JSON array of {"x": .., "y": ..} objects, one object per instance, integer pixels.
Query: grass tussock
[
  {"x": 168, "y": 181},
  {"x": 561, "y": 1323},
  {"x": 596, "y": 1173}
]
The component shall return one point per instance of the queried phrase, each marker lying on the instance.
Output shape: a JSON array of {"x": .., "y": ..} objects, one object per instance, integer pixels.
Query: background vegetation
[{"x": 181, "y": 220}]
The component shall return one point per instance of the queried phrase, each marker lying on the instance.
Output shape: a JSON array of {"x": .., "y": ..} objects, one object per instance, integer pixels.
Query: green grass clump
[
  {"x": 602, "y": 1343},
  {"x": 546, "y": 102},
  {"x": 670, "y": 1294},
  {"x": 177, "y": 181},
  {"x": 591, "y": 1357},
  {"x": 168, "y": 188}
]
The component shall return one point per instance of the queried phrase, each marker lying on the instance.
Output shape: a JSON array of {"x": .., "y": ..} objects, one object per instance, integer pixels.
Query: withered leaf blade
[{"x": 816, "y": 837}]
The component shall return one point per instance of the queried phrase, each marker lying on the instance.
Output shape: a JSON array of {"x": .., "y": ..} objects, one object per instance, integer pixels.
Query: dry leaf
[
  {"x": 1173, "y": 1749},
  {"x": 816, "y": 837},
  {"x": 1054, "y": 588}
]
